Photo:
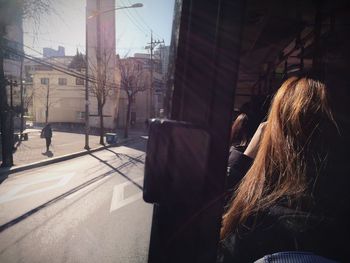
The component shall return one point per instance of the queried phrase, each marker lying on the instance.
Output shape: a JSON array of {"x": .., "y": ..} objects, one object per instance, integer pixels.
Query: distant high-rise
[
  {"x": 100, "y": 17},
  {"x": 101, "y": 27},
  {"x": 13, "y": 38},
  {"x": 50, "y": 52}
]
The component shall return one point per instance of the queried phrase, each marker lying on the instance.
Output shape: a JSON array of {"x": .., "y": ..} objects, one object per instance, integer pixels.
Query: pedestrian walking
[{"x": 46, "y": 133}]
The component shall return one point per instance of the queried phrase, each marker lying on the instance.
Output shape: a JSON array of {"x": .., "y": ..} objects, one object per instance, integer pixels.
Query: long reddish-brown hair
[{"x": 297, "y": 118}]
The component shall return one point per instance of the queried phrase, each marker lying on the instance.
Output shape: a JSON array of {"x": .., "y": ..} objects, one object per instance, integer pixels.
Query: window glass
[
  {"x": 81, "y": 60},
  {"x": 80, "y": 115},
  {"x": 44, "y": 81},
  {"x": 62, "y": 81}
]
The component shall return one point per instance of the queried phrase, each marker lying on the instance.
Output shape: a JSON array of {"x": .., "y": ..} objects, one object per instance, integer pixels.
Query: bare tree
[
  {"x": 134, "y": 79},
  {"x": 28, "y": 100},
  {"x": 103, "y": 84},
  {"x": 46, "y": 96}
]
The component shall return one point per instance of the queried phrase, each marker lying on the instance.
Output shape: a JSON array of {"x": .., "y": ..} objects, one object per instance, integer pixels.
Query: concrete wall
[{"x": 66, "y": 102}]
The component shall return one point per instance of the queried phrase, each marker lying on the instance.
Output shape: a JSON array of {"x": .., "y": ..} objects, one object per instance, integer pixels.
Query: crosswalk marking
[{"x": 15, "y": 194}]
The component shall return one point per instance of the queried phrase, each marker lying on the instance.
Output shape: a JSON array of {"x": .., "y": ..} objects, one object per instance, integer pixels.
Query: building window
[
  {"x": 62, "y": 81},
  {"x": 80, "y": 115},
  {"x": 79, "y": 81},
  {"x": 44, "y": 81}
]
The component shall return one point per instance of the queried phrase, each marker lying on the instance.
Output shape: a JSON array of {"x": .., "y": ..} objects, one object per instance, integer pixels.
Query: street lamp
[{"x": 97, "y": 13}]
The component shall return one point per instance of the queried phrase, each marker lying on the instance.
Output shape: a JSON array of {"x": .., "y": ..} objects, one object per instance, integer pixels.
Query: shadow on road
[
  {"x": 48, "y": 154},
  {"x": 73, "y": 190},
  {"x": 4, "y": 176},
  {"x": 139, "y": 146},
  {"x": 120, "y": 155},
  {"x": 116, "y": 169}
]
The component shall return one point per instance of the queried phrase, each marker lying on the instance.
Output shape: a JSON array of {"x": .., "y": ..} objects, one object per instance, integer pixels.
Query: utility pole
[
  {"x": 47, "y": 101},
  {"x": 11, "y": 94},
  {"x": 5, "y": 111},
  {"x": 21, "y": 84},
  {"x": 87, "y": 113},
  {"x": 152, "y": 45},
  {"x": 22, "y": 109},
  {"x": 151, "y": 88},
  {"x": 98, "y": 62}
]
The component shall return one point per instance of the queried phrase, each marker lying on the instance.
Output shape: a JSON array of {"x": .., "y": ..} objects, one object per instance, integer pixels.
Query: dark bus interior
[{"x": 231, "y": 56}]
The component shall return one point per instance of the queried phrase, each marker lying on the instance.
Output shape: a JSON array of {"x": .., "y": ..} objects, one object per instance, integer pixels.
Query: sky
[{"x": 65, "y": 27}]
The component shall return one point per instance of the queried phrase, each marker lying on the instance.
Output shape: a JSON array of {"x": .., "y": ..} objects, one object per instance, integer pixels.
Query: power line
[
  {"x": 37, "y": 60},
  {"x": 81, "y": 46},
  {"x": 129, "y": 15},
  {"x": 55, "y": 67},
  {"x": 143, "y": 22},
  {"x": 54, "y": 59}
]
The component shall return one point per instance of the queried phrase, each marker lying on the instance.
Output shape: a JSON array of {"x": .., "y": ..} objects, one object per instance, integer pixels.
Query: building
[
  {"x": 102, "y": 61},
  {"x": 162, "y": 54},
  {"x": 49, "y": 52},
  {"x": 66, "y": 99},
  {"x": 12, "y": 63},
  {"x": 135, "y": 69},
  {"x": 59, "y": 95},
  {"x": 149, "y": 102},
  {"x": 55, "y": 94}
]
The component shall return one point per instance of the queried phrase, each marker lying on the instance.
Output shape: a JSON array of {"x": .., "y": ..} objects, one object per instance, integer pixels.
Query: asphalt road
[{"x": 88, "y": 209}]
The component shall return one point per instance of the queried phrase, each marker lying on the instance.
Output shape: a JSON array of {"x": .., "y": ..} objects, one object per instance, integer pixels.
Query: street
[{"x": 88, "y": 209}]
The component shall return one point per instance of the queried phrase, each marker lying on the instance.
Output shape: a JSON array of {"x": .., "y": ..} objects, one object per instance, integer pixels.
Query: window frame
[
  {"x": 44, "y": 81},
  {"x": 79, "y": 81},
  {"x": 64, "y": 81}
]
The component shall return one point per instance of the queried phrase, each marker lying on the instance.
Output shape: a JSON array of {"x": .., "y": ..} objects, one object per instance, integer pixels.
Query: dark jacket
[
  {"x": 46, "y": 132},
  {"x": 323, "y": 230},
  {"x": 280, "y": 229},
  {"x": 238, "y": 165}
]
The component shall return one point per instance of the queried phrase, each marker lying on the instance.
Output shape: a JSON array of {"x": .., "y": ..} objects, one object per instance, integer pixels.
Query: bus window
[{"x": 231, "y": 54}]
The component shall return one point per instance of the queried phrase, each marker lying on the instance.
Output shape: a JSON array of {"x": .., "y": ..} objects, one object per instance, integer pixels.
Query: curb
[{"x": 4, "y": 172}]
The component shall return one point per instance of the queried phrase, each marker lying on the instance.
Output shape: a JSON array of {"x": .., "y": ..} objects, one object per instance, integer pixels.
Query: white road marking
[
  {"x": 13, "y": 194},
  {"x": 87, "y": 188},
  {"x": 118, "y": 200}
]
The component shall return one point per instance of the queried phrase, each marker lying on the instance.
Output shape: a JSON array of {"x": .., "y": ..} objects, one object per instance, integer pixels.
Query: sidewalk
[{"x": 63, "y": 144}]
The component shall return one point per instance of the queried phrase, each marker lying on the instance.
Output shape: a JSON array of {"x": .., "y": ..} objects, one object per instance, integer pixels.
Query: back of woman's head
[
  {"x": 290, "y": 151},
  {"x": 240, "y": 131}
]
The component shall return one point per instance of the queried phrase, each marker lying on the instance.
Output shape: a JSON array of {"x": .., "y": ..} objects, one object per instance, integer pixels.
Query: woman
[
  {"x": 283, "y": 203},
  {"x": 240, "y": 133},
  {"x": 46, "y": 133},
  {"x": 239, "y": 140}
]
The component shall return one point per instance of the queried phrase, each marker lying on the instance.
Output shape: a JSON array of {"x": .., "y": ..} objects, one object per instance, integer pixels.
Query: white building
[{"x": 143, "y": 106}]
